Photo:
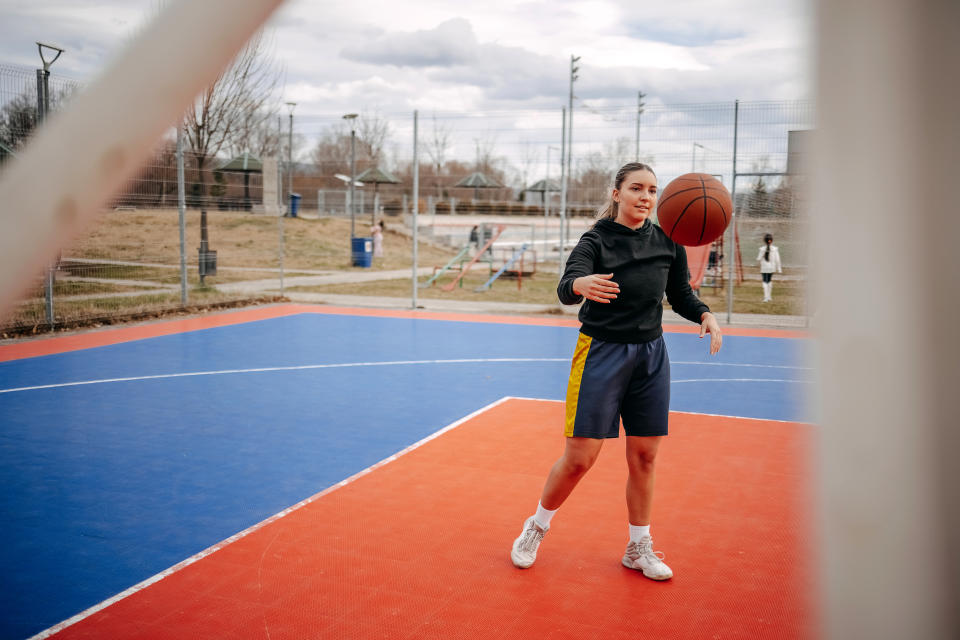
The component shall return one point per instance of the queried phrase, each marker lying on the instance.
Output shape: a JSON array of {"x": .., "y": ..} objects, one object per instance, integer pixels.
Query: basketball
[{"x": 694, "y": 209}]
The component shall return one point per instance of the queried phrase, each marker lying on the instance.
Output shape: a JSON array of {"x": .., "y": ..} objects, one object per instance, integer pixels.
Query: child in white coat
[{"x": 769, "y": 259}]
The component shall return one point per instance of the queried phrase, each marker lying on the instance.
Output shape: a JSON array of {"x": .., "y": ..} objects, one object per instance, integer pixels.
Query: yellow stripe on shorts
[{"x": 573, "y": 385}]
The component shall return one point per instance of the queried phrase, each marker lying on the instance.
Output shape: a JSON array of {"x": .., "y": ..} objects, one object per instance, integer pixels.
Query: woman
[
  {"x": 377, "y": 232},
  {"x": 769, "y": 259},
  {"x": 622, "y": 267}
]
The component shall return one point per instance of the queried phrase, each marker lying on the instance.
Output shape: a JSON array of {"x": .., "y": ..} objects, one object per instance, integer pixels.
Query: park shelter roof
[
  {"x": 478, "y": 180},
  {"x": 544, "y": 185},
  {"x": 244, "y": 162},
  {"x": 377, "y": 176}
]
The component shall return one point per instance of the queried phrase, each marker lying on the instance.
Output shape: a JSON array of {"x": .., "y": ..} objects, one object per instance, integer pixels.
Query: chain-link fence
[{"x": 487, "y": 168}]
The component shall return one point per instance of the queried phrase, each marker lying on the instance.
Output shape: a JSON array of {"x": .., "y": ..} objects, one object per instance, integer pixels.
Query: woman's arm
[
  {"x": 679, "y": 294},
  {"x": 580, "y": 264}
]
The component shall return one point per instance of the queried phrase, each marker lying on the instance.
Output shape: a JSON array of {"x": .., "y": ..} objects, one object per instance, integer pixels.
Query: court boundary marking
[
  {"x": 57, "y": 628},
  {"x": 388, "y": 363},
  {"x": 32, "y": 348},
  {"x": 69, "y": 622}
]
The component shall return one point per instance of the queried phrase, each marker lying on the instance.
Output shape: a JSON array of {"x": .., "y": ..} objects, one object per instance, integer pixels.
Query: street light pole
[
  {"x": 43, "y": 106},
  {"x": 640, "y": 105},
  {"x": 351, "y": 117},
  {"x": 693, "y": 161},
  {"x": 565, "y": 228},
  {"x": 290, "y": 107}
]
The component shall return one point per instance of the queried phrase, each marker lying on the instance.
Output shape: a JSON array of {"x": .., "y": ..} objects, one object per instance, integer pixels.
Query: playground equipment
[
  {"x": 463, "y": 271},
  {"x": 713, "y": 274},
  {"x": 517, "y": 255},
  {"x": 457, "y": 258}
]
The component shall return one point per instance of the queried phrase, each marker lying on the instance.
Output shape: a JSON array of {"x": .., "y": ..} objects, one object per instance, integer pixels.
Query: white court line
[
  {"x": 691, "y": 413},
  {"x": 739, "y": 364},
  {"x": 293, "y": 368},
  {"x": 209, "y": 550},
  {"x": 373, "y": 364},
  {"x": 739, "y": 380}
]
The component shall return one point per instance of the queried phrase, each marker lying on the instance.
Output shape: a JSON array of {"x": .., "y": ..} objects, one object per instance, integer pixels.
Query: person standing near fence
[
  {"x": 769, "y": 259},
  {"x": 376, "y": 231},
  {"x": 620, "y": 370}
]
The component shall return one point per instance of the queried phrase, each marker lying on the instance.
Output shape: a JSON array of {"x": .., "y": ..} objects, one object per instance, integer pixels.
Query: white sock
[
  {"x": 543, "y": 516},
  {"x": 638, "y": 531}
]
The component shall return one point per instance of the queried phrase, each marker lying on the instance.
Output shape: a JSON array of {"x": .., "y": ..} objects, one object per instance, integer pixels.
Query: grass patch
[{"x": 540, "y": 288}]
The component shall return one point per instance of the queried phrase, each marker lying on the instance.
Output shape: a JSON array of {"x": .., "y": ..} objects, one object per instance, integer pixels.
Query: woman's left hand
[{"x": 709, "y": 324}]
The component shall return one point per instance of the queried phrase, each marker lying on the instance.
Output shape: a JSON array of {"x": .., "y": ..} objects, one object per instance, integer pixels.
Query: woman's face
[{"x": 636, "y": 198}]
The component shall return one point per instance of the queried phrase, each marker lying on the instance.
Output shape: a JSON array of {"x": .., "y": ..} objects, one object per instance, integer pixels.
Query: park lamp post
[
  {"x": 693, "y": 160},
  {"x": 290, "y": 107},
  {"x": 351, "y": 118},
  {"x": 43, "y": 106}
]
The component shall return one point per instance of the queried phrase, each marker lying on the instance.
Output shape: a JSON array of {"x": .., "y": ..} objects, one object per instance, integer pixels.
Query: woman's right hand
[{"x": 597, "y": 287}]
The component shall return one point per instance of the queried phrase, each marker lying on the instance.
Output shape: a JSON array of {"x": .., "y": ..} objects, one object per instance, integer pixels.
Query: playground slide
[
  {"x": 516, "y": 256},
  {"x": 496, "y": 234},
  {"x": 697, "y": 264}
]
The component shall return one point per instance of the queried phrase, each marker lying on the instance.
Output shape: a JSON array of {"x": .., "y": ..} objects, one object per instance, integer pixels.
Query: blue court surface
[{"x": 120, "y": 461}]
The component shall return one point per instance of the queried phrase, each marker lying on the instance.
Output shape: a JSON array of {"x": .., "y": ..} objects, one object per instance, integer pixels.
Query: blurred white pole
[
  {"x": 114, "y": 124},
  {"x": 885, "y": 230}
]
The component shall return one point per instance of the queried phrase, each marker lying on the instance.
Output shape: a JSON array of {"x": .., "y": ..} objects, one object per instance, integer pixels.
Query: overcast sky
[{"x": 436, "y": 55}]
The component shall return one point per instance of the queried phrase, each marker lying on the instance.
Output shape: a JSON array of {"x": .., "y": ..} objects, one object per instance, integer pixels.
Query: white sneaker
[
  {"x": 641, "y": 556},
  {"x": 525, "y": 547}
]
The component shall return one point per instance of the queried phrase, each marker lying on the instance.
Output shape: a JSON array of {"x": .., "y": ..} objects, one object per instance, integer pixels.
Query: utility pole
[
  {"x": 290, "y": 106},
  {"x": 352, "y": 118},
  {"x": 640, "y": 96},
  {"x": 565, "y": 227}
]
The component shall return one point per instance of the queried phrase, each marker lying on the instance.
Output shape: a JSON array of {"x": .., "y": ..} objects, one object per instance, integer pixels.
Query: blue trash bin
[
  {"x": 294, "y": 204},
  {"x": 362, "y": 251}
]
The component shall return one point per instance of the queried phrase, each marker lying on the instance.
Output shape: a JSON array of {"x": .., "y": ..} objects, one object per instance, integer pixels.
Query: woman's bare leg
[
  {"x": 641, "y": 456},
  {"x": 578, "y": 456}
]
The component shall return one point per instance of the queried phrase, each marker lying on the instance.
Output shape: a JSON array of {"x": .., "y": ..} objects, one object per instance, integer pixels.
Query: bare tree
[
  {"x": 621, "y": 151},
  {"x": 257, "y": 133},
  {"x": 437, "y": 146},
  {"x": 529, "y": 158},
  {"x": 373, "y": 131},
  {"x": 486, "y": 146},
  {"x": 18, "y": 117},
  {"x": 225, "y": 109},
  {"x": 237, "y": 104},
  {"x": 332, "y": 151}
]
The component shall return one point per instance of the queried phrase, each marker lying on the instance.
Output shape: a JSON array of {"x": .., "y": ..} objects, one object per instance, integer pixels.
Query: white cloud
[{"x": 450, "y": 43}]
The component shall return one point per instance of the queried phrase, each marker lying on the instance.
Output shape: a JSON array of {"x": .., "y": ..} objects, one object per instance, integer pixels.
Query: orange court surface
[{"x": 418, "y": 546}]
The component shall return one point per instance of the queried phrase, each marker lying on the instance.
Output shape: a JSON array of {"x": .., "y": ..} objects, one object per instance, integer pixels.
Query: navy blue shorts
[{"x": 610, "y": 381}]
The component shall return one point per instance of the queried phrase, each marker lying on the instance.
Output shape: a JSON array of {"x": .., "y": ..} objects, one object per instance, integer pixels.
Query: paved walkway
[
  {"x": 513, "y": 308},
  {"x": 272, "y": 286},
  {"x": 333, "y": 277}
]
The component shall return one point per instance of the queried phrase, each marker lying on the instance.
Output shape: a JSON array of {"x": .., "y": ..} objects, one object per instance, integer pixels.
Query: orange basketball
[{"x": 694, "y": 209}]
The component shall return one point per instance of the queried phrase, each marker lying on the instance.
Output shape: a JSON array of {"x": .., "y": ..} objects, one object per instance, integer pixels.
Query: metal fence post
[
  {"x": 182, "y": 209},
  {"x": 563, "y": 184},
  {"x": 733, "y": 214},
  {"x": 416, "y": 199}
]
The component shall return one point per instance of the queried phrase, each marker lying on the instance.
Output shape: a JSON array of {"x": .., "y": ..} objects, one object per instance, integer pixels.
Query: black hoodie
[{"x": 646, "y": 263}]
